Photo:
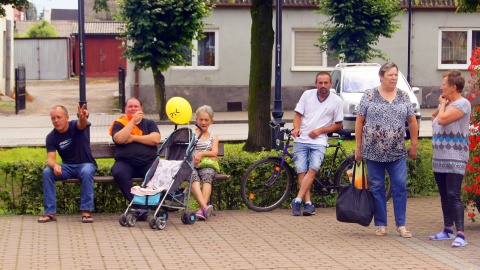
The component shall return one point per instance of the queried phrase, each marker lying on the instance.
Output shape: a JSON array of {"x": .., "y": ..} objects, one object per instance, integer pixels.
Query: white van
[{"x": 349, "y": 82}]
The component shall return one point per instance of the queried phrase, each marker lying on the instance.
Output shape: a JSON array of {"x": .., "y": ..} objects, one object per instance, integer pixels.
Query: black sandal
[
  {"x": 48, "y": 217},
  {"x": 87, "y": 219}
]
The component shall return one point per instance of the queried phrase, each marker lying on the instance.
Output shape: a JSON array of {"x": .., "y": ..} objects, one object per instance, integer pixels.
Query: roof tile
[{"x": 100, "y": 28}]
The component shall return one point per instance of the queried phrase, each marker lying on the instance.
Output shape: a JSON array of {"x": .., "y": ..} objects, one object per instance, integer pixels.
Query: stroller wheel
[
  {"x": 161, "y": 223},
  {"x": 185, "y": 218},
  {"x": 189, "y": 218},
  {"x": 122, "y": 220},
  {"x": 152, "y": 223},
  {"x": 162, "y": 213},
  {"x": 131, "y": 220},
  {"x": 192, "y": 217}
]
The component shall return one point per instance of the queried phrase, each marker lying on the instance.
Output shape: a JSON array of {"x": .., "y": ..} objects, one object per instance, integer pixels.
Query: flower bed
[{"x": 472, "y": 176}]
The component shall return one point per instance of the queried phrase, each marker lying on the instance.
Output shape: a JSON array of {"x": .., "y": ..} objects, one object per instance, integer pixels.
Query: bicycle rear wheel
[
  {"x": 266, "y": 184},
  {"x": 344, "y": 173},
  {"x": 343, "y": 176}
]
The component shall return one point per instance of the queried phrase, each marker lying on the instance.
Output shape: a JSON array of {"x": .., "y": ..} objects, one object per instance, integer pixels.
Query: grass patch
[{"x": 7, "y": 104}]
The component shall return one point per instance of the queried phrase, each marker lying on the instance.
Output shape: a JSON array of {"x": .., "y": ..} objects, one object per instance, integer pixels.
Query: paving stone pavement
[{"x": 239, "y": 239}]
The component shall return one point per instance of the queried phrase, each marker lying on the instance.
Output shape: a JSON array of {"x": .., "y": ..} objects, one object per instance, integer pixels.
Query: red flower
[
  {"x": 471, "y": 214},
  {"x": 472, "y": 146}
]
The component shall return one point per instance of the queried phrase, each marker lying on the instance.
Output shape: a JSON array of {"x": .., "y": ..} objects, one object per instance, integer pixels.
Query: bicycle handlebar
[
  {"x": 289, "y": 131},
  {"x": 276, "y": 125}
]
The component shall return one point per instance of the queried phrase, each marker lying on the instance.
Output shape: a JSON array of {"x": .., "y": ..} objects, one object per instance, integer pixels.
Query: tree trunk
[
  {"x": 260, "y": 86},
  {"x": 160, "y": 94}
]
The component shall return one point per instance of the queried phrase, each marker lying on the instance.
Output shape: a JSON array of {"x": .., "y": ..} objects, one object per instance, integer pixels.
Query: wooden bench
[{"x": 100, "y": 151}]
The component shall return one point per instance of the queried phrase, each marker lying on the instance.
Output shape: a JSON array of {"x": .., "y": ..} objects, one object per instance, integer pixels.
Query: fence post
[
  {"x": 121, "y": 88},
  {"x": 20, "y": 92}
]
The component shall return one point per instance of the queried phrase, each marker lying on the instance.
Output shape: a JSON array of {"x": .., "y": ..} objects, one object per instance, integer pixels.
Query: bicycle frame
[
  {"x": 324, "y": 171},
  {"x": 338, "y": 147}
]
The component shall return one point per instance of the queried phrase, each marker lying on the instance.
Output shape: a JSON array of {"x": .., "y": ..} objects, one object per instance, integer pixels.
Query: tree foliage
[
  {"x": 18, "y": 4},
  {"x": 99, "y": 5},
  {"x": 260, "y": 86},
  {"x": 158, "y": 33},
  {"x": 354, "y": 27},
  {"x": 41, "y": 30},
  {"x": 467, "y": 6},
  {"x": 32, "y": 12}
]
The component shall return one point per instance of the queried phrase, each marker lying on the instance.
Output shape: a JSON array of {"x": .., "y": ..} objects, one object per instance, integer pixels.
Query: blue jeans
[
  {"x": 307, "y": 155},
  {"x": 397, "y": 171},
  {"x": 83, "y": 171}
]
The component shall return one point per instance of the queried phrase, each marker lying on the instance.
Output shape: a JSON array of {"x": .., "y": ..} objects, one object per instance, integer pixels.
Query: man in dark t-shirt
[{"x": 70, "y": 140}]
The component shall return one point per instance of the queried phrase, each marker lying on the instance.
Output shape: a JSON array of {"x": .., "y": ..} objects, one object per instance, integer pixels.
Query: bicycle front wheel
[{"x": 266, "y": 184}]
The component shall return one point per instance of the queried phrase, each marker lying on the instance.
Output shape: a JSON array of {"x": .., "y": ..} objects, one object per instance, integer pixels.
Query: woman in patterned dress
[
  {"x": 207, "y": 146},
  {"x": 380, "y": 139}
]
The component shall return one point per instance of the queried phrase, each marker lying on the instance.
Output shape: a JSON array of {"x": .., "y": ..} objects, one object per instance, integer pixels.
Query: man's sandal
[
  {"x": 47, "y": 218},
  {"x": 381, "y": 231},
  {"x": 403, "y": 232}
]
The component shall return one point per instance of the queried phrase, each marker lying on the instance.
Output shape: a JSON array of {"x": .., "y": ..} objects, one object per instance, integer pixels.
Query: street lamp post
[
  {"x": 277, "y": 113},
  {"x": 409, "y": 38},
  {"x": 81, "y": 46}
]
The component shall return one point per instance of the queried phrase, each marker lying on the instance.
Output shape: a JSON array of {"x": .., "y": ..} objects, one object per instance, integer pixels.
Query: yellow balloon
[{"x": 179, "y": 110}]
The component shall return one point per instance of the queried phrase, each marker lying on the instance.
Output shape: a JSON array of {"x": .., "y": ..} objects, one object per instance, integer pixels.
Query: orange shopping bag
[{"x": 358, "y": 173}]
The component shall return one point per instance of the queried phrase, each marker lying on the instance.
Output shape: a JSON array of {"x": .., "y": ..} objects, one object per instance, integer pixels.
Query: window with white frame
[
  {"x": 205, "y": 52},
  {"x": 305, "y": 55},
  {"x": 456, "y": 46}
]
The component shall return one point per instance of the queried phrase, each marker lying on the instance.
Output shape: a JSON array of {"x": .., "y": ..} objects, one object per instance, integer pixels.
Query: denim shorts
[{"x": 307, "y": 155}]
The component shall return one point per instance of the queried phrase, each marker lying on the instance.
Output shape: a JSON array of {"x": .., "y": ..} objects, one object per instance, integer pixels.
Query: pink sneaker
[
  {"x": 200, "y": 215},
  {"x": 207, "y": 211}
]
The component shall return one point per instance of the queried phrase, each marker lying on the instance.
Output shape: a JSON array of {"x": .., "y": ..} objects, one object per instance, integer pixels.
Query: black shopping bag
[{"x": 355, "y": 205}]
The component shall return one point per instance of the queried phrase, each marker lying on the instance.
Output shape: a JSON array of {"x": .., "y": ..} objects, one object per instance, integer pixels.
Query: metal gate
[
  {"x": 20, "y": 92},
  {"x": 44, "y": 58}
]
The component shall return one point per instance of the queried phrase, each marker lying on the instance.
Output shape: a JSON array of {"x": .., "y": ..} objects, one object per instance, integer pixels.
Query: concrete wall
[
  {"x": 229, "y": 83},
  {"x": 7, "y": 70}
]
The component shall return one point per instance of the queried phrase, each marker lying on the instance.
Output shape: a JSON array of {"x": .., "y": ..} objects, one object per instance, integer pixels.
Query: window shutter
[{"x": 306, "y": 54}]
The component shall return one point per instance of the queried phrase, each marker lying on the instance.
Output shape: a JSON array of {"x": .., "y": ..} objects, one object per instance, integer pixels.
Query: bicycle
[{"x": 267, "y": 183}]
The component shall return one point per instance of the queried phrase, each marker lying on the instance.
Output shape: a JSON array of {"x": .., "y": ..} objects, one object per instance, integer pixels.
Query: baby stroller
[{"x": 162, "y": 181}]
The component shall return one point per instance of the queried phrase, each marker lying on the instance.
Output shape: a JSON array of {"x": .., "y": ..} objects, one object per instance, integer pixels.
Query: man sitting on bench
[{"x": 71, "y": 140}]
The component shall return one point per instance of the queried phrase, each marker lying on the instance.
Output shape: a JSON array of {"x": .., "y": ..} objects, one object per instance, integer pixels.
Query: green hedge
[{"x": 21, "y": 183}]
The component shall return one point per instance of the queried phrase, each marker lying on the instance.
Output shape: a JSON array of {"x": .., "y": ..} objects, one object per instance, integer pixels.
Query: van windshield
[{"x": 357, "y": 81}]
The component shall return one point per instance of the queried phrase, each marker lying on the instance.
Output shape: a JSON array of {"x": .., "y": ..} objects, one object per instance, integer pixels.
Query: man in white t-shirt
[{"x": 317, "y": 113}]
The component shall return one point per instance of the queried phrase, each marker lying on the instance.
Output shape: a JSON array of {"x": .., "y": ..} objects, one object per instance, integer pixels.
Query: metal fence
[{"x": 44, "y": 58}]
